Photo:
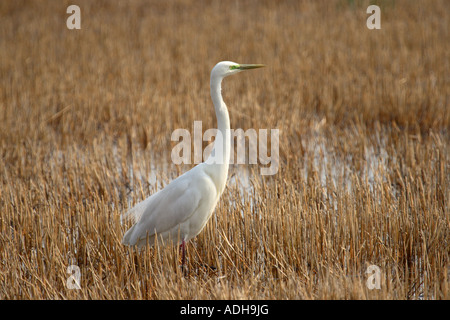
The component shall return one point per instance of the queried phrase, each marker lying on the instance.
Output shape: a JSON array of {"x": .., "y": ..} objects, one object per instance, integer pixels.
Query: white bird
[{"x": 180, "y": 211}]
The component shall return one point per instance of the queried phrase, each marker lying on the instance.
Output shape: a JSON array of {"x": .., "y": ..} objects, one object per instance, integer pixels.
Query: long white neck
[{"x": 219, "y": 159}]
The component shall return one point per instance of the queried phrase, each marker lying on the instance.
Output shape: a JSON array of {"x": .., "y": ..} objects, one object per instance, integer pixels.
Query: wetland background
[{"x": 364, "y": 175}]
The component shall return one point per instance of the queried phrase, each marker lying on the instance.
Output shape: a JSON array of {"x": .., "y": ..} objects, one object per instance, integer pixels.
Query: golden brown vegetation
[{"x": 86, "y": 118}]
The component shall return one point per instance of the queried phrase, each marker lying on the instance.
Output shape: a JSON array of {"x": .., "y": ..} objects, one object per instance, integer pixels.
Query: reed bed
[{"x": 364, "y": 159}]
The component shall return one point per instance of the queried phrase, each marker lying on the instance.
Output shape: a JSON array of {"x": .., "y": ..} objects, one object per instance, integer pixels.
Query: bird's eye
[{"x": 233, "y": 67}]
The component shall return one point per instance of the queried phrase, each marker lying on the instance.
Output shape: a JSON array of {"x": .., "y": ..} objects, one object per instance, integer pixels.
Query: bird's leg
[{"x": 183, "y": 253}]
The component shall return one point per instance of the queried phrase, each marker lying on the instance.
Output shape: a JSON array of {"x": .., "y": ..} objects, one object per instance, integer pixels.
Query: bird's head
[{"x": 226, "y": 68}]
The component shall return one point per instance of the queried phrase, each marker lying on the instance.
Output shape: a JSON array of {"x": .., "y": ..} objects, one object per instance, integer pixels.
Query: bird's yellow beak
[{"x": 249, "y": 66}]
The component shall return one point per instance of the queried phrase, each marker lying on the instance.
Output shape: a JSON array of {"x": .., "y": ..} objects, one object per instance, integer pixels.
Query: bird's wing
[
  {"x": 135, "y": 213},
  {"x": 167, "y": 208}
]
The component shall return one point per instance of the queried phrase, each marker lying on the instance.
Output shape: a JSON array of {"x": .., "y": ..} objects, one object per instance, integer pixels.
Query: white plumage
[{"x": 177, "y": 212}]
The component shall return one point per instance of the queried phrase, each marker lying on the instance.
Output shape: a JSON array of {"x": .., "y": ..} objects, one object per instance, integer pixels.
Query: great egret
[{"x": 180, "y": 210}]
